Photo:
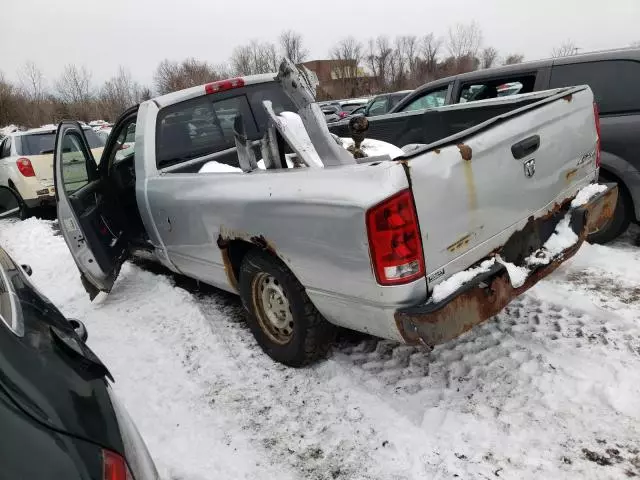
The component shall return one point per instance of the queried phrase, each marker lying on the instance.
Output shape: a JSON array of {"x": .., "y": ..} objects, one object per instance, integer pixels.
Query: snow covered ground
[{"x": 550, "y": 388}]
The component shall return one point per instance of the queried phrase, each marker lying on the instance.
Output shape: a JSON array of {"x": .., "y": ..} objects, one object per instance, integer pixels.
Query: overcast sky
[{"x": 102, "y": 34}]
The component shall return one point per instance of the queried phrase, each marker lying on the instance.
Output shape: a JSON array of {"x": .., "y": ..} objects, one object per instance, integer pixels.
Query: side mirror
[
  {"x": 27, "y": 269},
  {"x": 10, "y": 203},
  {"x": 80, "y": 329}
]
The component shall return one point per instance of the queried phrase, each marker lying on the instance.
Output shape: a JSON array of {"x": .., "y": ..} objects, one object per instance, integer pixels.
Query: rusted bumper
[{"x": 487, "y": 294}]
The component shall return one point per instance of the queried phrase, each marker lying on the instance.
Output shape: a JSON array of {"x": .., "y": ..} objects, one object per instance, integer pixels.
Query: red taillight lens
[
  {"x": 394, "y": 240},
  {"x": 223, "y": 85},
  {"x": 596, "y": 114},
  {"x": 114, "y": 467},
  {"x": 342, "y": 114},
  {"x": 25, "y": 167}
]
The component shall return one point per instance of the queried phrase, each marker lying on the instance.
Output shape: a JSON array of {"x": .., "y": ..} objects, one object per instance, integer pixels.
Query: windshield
[{"x": 44, "y": 143}]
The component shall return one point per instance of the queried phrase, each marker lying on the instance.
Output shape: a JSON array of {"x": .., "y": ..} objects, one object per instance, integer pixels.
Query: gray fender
[{"x": 628, "y": 175}]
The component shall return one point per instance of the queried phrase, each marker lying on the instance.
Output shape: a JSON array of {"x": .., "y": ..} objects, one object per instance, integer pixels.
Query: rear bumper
[
  {"x": 34, "y": 192},
  {"x": 41, "y": 201},
  {"x": 487, "y": 294}
]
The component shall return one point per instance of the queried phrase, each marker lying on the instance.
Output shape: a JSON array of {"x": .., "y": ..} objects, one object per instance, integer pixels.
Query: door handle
[{"x": 525, "y": 147}]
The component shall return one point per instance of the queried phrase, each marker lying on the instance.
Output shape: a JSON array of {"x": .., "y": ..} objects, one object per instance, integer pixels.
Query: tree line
[{"x": 403, "y": 62}]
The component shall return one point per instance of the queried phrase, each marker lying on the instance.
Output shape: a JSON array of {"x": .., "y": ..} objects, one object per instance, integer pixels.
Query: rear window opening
[
  {"x": 497, "y": 88},
  {"x": 44, "y": 143}
]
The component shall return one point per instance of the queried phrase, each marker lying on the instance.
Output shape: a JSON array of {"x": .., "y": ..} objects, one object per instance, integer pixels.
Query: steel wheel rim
[{"x": 272, "y": 307}]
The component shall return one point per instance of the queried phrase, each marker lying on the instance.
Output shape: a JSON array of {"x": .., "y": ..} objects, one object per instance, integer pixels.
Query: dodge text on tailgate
[{"x": 240, "y": 184}]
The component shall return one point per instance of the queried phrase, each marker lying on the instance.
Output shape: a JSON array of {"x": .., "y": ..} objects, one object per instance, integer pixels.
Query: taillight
[
  {"x": 596, "y": 115},
  {"x": 343, "y": 114},
  {"x": 114, "y": 467},
  {"x": 25, "y": 167},
  {"x": 223, "y": 85},
  {"x": 394, "y": 240}
]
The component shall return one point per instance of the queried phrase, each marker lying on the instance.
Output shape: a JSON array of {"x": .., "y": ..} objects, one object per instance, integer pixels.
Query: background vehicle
[
  {"x": 365, "y": 244},
  {"x": 381, "y": 104},
  {"x": 26, "y": 164},
  {"x": 59, "y": 416},
  {"x": 332, "y": 112},
  {"x": 335, "y": 110},
  {"x": 612, "y": 75}
]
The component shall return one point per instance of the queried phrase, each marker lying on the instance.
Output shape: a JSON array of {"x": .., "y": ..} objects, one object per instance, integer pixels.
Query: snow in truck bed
[{"x": 547, "y": 389}]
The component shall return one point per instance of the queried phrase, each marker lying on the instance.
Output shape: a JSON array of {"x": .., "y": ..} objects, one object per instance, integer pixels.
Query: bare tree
[
  {"x": 430, "y": 50},
  {"x": 119, "y": 93},
  {"x": 347, "y": 55},
  {"x": 171, "y": 76},
  {"x": 411, "y": 51},
  {"x": 464, "y": 40},
  {"x": 513, "y": 58},
  {"x": 254, "y": 58},
  {"x": 379, "y": 57},
  {"x": 566, "y": 49},
  {"x": 74, "y": 85},
  {"x": 488, "y": 57},
  {"x": 291, "y": 46},
  {"x": 8, "y": 102},
  {"x": 32, "y": 81}
]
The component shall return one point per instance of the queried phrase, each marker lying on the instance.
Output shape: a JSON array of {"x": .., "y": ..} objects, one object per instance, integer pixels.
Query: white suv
[{"x": 26, "y": 163}]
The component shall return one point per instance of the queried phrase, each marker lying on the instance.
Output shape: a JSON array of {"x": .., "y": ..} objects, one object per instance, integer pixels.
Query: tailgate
[
  {"x": 43, "y": 166},
  {"x": 477, "y": 189}
]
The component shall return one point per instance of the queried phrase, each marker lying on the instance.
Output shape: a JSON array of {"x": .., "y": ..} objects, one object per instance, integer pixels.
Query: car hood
[{"x": 47, "y": 371}]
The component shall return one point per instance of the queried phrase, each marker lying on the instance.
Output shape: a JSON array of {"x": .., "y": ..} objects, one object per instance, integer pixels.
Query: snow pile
[
  {"x": 374, "y": 148},
  {"x": 457, "y": 280},
  {"x": 4, "y": 131},
  {"x": 562, "y": 238},
  {"x": 536, "y": 392},
  {"x": 585, "y": 194},
  {"x": 49, "y": 126},
  {"x": 217, "y": 167},
  {"x": 517, "y": 275}
]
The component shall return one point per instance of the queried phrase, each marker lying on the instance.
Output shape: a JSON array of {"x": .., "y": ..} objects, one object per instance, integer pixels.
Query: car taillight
[
  {"x": 25, "y": 167},
  {"x": 114, "y": 467},
  {"x": 394, "y": 240},
  {"x": 223, "y": 85},
  {"x": 596, "y": 115},
  {"x": 343, "y": 114}
]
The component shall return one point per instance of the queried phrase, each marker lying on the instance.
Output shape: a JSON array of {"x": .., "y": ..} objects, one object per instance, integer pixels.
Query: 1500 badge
[{"x": 435, "y": 275}]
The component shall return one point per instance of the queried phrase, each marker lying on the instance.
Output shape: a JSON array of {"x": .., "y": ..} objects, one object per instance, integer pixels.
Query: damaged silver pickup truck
[{"x": 240, "y": 184}]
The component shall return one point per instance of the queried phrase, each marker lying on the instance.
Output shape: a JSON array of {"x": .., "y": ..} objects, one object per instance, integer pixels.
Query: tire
[
  {"x": 297, "y": 338},
  {"x": 25, "y": 212},
  {"x": 621, "y": 215}
]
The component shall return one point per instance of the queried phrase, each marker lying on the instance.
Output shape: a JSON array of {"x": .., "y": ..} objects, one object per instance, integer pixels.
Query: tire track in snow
[{"x": 519, "y": 395}]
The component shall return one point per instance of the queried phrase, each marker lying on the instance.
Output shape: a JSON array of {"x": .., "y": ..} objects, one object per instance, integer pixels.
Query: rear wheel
[
  {"x": 281, "y": 317},
  {"x": 25, "y": 212},
  {"x": 620, "y": 220}
]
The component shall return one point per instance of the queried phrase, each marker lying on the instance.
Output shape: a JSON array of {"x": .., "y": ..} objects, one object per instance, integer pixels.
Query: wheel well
[
  {"x": 624, "y": 191},
  {"x": 236, "y": 250}
]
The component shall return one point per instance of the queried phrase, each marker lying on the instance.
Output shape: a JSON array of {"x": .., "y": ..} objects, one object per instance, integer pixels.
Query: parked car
[
  {"x": 335, "y": 110},
  {"x": 402, "y": 249},
  {"x": 59, "y": 415},
  {"x": 332, "y": 112},
  {"x": 612, "y": 75},
  {"x": 381, "y": 104},
  {"x": 26, "y": 164}
]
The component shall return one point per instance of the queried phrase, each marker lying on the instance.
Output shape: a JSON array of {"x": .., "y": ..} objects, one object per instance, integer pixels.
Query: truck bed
[{"x": 432, "y": 125}]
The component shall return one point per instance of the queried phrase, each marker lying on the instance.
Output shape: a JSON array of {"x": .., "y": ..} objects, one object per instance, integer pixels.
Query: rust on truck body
[{"x": 489, "y": 297}]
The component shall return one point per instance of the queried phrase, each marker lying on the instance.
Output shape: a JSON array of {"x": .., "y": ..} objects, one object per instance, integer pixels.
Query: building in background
[{"x": 340, "y": 79}]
